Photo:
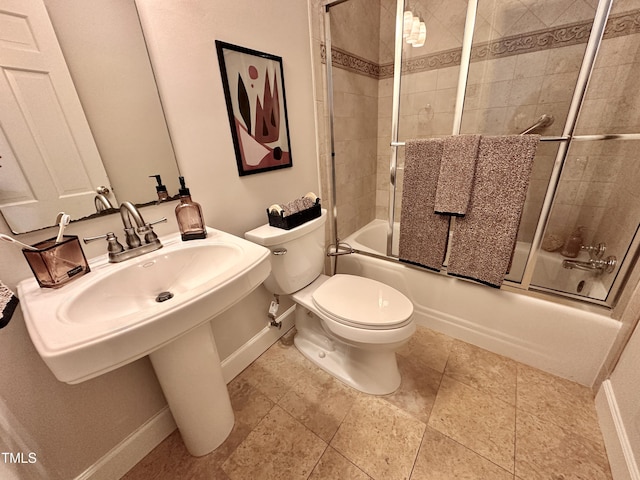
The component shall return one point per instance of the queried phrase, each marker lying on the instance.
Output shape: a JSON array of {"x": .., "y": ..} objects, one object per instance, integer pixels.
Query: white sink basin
[
  {"x": 135, "y": 291},
  {"x": 110, "y": 316}
]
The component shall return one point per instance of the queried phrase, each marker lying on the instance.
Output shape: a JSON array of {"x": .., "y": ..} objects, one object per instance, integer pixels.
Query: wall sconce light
[
  {"x": 414, "y": 31},
  {"x": 422, "y": 36},
  {"x": 407, "y": 23}
]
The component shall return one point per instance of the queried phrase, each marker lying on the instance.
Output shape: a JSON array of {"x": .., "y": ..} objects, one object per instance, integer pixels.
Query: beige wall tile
[
  {"x": 547, "y": 11},
  {"x": 531, "y": 64},
  {"x": 528, "y": 22},
  {"x": 577, "y": 11}
]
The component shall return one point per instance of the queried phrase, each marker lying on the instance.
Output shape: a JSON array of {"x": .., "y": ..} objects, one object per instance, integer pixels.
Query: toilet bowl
[
  {"x": 349, "y": 326},
  {"x": 350, "y": 338}
]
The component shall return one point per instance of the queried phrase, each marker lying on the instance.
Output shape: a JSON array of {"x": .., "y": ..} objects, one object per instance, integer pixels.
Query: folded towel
[
  {"x": 484, "y": 239},
  {"x": 423, "y": 233},
  {"x": 8, "y": 304},
  {"x": 457, "y": 170},
  {"x": 297, "y": 205},
  {"x": 294, "y": 206}
]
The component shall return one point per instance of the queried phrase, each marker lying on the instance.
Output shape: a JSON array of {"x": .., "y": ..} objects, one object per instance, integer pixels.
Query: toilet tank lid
[{"x": 268, "y": 236}]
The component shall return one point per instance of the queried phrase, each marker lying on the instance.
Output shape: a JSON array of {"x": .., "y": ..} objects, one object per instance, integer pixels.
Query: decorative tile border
[
  {"x": 348, "y": 61},
  {"x": 566, "y": 35}
]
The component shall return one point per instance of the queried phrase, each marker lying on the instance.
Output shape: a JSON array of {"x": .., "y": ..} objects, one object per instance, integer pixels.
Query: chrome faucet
[
  {"x": 102, "y": 203},
  {"x": 117, "y": 253},
  {"x": 597, "y": 265},
  {"x": 127, "y": 211},
  {"x": 595, "y": 251}
]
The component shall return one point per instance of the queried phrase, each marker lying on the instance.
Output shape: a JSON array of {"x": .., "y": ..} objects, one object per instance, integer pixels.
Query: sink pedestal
[{"x": 190, "y": 375}]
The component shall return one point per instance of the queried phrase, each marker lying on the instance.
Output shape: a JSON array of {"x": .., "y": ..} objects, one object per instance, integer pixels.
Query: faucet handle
[
  {"x": 147, "y": 230},
  {"x": 113, "y": 245},
  {"x": 596, "y": 252},
  {"x": 132, "y": 238},
  {"x": 162, "y": 220}
]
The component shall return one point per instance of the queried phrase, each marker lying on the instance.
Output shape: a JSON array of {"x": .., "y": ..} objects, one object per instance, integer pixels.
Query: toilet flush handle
[{"x": 279, "y": 251}]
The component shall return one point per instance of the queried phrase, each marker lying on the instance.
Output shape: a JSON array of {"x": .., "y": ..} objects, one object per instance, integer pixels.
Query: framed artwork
[{"x": 254, "y": 91}]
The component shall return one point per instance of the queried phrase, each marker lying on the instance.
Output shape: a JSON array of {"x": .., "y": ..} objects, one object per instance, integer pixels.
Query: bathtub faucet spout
[{"x": 599, "y": 266}]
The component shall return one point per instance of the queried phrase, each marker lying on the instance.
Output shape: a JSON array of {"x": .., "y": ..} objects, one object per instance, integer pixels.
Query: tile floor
[{"x": 460, "y": 413}]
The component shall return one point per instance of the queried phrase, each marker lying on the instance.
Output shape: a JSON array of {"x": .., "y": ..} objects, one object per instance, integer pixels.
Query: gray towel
[
  {"x": 484, "y": 239},
  {"x": 423, "y": 233},
  {"x": 457, "y": 170}
]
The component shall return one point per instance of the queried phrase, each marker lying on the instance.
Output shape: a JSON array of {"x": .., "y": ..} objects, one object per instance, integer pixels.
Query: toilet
[{"x": 349, "y": 326}]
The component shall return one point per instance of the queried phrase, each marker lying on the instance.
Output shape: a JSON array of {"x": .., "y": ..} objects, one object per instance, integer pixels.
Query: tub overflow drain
[{"x": 164, "y": 296}]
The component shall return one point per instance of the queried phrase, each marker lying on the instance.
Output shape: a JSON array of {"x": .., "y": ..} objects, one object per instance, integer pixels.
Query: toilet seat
[{"x": 363, "y": 303}]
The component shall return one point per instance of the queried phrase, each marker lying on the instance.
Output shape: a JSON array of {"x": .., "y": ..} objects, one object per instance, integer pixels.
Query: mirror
[{"x": 105, "y": 51}]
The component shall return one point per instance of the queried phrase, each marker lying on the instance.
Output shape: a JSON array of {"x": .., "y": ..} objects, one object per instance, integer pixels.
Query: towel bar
[{"x": 542, "y": 139}]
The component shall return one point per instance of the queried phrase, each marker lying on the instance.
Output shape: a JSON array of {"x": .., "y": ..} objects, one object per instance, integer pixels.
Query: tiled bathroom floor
[{"x": 460, "y": 413}]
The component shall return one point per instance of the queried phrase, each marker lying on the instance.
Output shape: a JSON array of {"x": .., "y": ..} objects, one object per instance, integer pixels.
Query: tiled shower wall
[
  {"x": 355, "y": 33},
  {"x": 525, "y": 62},
  {"x": 599, "y": 185}
]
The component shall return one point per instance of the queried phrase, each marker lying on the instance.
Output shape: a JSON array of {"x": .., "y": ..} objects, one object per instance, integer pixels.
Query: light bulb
[
  {"x": 422, "y": 36},
  {"x": 407, "y": 23},
  {"x": 415, "y": 31}
]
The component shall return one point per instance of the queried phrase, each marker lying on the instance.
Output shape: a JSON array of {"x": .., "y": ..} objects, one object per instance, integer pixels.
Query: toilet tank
[{"x": 297, "y": 255}]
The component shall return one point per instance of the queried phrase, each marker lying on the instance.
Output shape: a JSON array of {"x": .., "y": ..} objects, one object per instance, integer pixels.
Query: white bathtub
[{"x": 565, "y": 338}]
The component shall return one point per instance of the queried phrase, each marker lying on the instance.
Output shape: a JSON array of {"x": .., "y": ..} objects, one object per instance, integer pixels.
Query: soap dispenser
[
  {"x": 573, "y": 243},
  {"x": 161, "y": 189},
  {"x": 189, "y": 215}
]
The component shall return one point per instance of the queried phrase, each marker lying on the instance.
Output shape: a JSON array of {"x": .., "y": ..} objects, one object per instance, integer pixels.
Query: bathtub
[{"x": 559, "y": 336}]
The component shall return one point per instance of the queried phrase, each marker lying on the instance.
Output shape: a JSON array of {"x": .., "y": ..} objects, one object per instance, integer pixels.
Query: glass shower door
[
  {"x": 516, "y": 75},
  {"x": 597, "y": 197}
]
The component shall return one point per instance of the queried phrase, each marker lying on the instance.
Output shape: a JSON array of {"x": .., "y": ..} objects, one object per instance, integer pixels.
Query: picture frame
[{"x": 254, "y": 92}]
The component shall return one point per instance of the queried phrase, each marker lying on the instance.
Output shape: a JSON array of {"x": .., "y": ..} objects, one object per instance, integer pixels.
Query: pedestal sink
[{"x": 159, "y": 304}]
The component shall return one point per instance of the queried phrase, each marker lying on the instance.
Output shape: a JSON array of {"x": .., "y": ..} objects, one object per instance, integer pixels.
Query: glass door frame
[{"x": 564, "y": 140}]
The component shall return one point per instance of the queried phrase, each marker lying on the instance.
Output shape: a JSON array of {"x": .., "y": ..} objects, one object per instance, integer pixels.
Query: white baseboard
[
  {"x": 245, "y": 355},
  {"x": 124, "y": 456},
  {"x": 621, "y": 458}
]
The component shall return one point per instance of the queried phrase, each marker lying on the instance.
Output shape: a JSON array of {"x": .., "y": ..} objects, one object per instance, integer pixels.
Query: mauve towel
[
  {"x": 483, "y": 240},
  {"x": 423, "y": 233},
  {"x": 457, "y": 170}
]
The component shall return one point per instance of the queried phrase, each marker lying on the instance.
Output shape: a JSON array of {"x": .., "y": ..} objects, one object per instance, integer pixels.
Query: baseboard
[
  {"x": 124, "y": 456},
  {"x": 245, "y": 355},
  {"x": 621, "y": 459}
]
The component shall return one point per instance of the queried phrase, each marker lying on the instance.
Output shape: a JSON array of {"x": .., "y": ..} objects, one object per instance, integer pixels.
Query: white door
[{"x": 49, "y": 160}]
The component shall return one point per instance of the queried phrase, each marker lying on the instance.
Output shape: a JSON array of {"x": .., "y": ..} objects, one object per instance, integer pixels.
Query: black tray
[{"x": 295, "y": 219}]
